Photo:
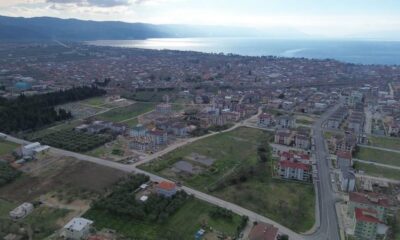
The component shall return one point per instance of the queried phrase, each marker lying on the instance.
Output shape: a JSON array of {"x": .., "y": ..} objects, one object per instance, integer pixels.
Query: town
[{"x": 148, "y": 144}]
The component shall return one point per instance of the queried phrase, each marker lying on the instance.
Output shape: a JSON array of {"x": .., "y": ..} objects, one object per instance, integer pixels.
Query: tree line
[{"x": 32, "y": 112}]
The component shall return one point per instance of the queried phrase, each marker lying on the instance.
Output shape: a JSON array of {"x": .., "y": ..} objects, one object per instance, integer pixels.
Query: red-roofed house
[
  {"x": 167, "y": 189},
  {"x": 367, "y": 224},
  {"x": 263, "y": 231},
  {"x": 294, "y": 170},
  {"x": 369, "y": 201}
]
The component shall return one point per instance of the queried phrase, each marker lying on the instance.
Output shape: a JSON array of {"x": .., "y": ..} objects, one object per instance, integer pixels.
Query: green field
[
  {"x": 238, "y": 176},
  {"x": 73, "y": 140},
  {"x": 7, "y": 147},
  {"x": 304, "y": 121},
  {"x": 95, "y": 102},
  {"x": 379, "y": 156},
  {"x": 125, "y": 113},
  {"x": 385, "y": 142},
  {"x": 377, "y": 171},
  {"x": 183, "y": 224}
]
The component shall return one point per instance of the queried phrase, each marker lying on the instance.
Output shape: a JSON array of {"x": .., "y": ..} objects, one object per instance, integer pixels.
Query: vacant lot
[
  {"x": 183, "y": 224},
  {"x": 65, "y": 177},
  {"x": 238, "y": 176},
  {"x": 379, "y": 156},
  {"x": 385, "y": 142},
  {"x": 7, "y": 147},
  {"x": 73, "y": 140},
  {"x": 377, "y": 171},
  {"x": 126, "y": 113}
]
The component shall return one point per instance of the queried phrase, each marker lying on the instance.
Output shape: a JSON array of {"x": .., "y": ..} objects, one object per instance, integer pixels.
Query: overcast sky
[{"x": 331, "y": 18}]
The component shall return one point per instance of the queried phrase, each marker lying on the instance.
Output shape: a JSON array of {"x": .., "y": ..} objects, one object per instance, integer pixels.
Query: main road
[{"x": 328, "y": 228}]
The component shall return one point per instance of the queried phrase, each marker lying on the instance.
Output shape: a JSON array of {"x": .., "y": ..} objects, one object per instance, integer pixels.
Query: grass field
[
  {"x": 282, "y": 201},
  {"x": 377, "y": 171},
  {"x": 385, "y": 142},
  {"x": 125, "y": 113},
  {"x": 42, "y": 221},
  {"x": 379, "y": 156},
  {"x": 95, "y": 102},
  {"x": 185, "y": 222},
  {"x": 7, "y": 147}
]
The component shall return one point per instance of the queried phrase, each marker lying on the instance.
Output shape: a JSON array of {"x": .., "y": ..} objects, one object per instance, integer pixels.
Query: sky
[{"x": 324, "y": 18}]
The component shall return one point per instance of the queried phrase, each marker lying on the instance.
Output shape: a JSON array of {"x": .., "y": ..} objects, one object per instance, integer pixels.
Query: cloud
[{"x": 93, "y": 3}]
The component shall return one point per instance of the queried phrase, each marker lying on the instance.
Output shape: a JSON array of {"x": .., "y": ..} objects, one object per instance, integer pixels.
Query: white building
[
  {"x": 77, "y": 229},
  {"x": 27, "y": 150},
  {"x": 21, "y": 211}
]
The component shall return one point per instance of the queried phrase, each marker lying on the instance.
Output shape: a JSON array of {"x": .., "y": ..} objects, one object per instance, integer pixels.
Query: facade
[
  {"x": 294, "y": 170},
  {"x": 164, "y": 108},
  {"x": 344, "y": 159},
  {"x": 159, "y": 137},
  {"x": 367, "y": 225},
  {"x": 284, "y": 137},
  {"x": 77, "y": 229},
  {"x": 302, "y": 141},
  {"x": 265, "y": 120},
  {"x": 347, "y": 179},
  {"x": 138, "y": 131},
  {"x": 369, "y": 201},
  {"x": 285, "y": 122},
  {"x": 142, "y": 143}
]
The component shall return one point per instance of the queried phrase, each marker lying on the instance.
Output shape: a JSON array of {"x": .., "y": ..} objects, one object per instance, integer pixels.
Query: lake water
[{"x": 364, "y": 52}]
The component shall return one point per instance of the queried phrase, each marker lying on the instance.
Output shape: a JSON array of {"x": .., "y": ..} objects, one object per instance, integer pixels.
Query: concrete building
[
  {"x": 77, "y": 229},
  {"x": 294, "y": 170},
  {"x": 347, "y": 179},
  {"x": 372, "y": 201},
  {"x": 28, "y": 150},
  {"x": 344, "y": 159},
  {"x": 367, "y": 225}
]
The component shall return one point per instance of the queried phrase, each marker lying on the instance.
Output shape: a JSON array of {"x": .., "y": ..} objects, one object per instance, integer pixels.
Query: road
[{"x": 328, "y": 223}]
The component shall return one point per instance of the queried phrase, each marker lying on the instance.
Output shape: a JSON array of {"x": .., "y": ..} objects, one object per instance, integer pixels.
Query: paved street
[{"x": 329, "y": 228}]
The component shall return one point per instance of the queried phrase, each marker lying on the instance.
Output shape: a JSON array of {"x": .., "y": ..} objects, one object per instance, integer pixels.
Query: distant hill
[{"x": 48, "y": 28}]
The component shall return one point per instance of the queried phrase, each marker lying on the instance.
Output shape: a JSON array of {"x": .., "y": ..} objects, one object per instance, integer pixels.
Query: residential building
[
  {"x": 294, "y": 170},
  {"x": 367, "y": 225},
  {"x": 344, "y": 159},
  {"x": 372, "y": 201},
  {"x": 77, "y": 229},
  {"x": 285, "y": 122},
  {"x": 166, "y": 189},
  {"x": 284, "y": 137},
  {"x": 302, "y": 141},
  {"x": 159, "y": 137},
  {"x": 347, "y": 179},
  {"x": 265, "y": 120},
  {"x": 138, "y": 131},
  {"x": 263, "y": 231}
]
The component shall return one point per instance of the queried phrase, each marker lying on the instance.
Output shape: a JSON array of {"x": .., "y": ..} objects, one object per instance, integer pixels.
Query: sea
[{"x": 350, "y": 51}]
